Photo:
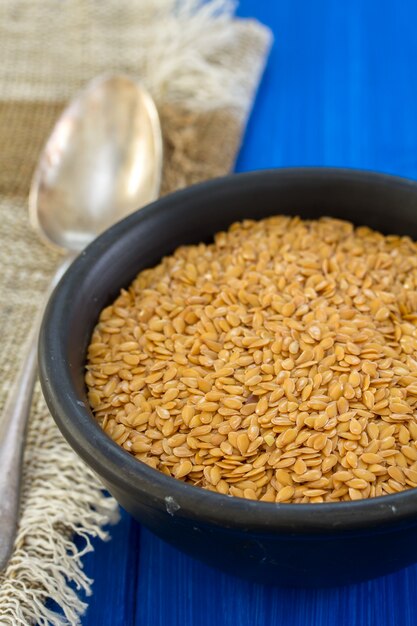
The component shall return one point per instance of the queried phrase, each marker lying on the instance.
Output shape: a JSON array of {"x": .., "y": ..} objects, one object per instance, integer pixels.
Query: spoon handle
[{"x": 13, "y": 422}]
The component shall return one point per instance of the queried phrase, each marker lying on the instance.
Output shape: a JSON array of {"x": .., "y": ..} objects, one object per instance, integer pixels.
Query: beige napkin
[{"x": 202, "y": 65}]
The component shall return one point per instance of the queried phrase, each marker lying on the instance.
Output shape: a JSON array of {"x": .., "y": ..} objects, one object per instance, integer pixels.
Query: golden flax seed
[{"x": 278, "y": 363}]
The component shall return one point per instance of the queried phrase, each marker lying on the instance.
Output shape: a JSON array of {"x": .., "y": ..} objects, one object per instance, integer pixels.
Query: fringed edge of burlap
[{"x": 55, "y": 532}]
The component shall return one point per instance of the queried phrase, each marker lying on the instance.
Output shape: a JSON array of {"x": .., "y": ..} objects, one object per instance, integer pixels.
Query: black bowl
[{"x": 291, "y": 544}]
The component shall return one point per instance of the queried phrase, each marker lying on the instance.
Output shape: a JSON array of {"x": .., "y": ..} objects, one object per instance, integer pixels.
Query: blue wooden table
[{"x": 340, "y": 89}]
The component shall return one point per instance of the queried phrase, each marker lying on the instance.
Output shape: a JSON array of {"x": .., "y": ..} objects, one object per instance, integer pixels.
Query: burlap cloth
[{"x": 202, "y": 66}]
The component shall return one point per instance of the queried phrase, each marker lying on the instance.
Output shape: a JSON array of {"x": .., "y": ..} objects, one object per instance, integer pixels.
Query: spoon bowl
[{"x": 98, "y": 164}]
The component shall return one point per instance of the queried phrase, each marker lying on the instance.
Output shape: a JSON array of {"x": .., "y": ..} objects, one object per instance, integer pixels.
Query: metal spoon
[{"x": 102, "y": 161}]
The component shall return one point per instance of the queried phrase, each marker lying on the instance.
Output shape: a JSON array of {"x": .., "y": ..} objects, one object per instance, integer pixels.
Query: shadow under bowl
[{"x": 288, "y": 544}]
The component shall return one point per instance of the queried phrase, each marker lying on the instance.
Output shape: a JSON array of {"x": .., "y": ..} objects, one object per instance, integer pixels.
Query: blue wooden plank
[
  {"x": 340, "y": 89},
  {"x": 114, "y": 566},
  {"x": 176, "y": 590},
  {"x": 186, "y": 592}
]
